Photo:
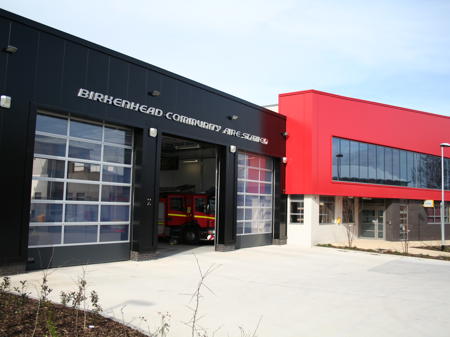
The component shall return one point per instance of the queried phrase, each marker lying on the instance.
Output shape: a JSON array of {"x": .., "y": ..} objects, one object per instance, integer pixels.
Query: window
[
  {"x": 77, "y": 198},
  {"x": 348, "y": 210},
  {"x": 254, "y": 196},
  {"x": 404, "y": 230},
  {"x": 374, "y": 164},
  {"x": 296, "y": 210},
  {"x": 200, "y": 205},
  {"x": 177, "y": 204},
  {"x": 326, "y": 210},
  {"x": 434, "y": 213}
]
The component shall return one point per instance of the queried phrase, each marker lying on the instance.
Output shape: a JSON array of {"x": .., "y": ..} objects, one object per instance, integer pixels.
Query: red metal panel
[{"x": 314, "y": 117}]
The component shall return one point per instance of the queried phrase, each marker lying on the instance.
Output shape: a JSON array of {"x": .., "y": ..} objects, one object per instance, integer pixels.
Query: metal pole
[{"x": 442, "y": 201}]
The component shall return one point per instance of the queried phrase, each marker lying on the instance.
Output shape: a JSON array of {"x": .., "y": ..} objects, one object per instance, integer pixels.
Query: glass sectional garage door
[
  {"x": 255, "y": 194},
  {"x": 81, "y": 187}
]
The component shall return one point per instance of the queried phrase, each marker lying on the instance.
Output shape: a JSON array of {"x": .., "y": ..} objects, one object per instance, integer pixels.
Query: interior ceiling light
[
  {"x": 191, "y": 146},
  {"x": 190, "y": 161}
]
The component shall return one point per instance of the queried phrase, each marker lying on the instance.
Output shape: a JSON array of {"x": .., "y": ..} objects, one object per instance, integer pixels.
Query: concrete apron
[{"x": 295, "y": 292}]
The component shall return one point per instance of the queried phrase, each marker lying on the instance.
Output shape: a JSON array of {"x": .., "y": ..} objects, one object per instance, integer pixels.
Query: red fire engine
[{"x": 186, "y": 217}]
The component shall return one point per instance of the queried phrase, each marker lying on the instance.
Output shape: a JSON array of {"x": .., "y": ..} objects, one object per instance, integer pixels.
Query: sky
[{"x": 390, "y": 51}]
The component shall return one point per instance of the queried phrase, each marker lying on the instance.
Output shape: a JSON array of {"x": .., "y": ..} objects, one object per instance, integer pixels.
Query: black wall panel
[
  {"x": 49, "y": 70},
  {"x": 75, "y": 68},
  {"x": 4, "y": 41},
  {"x": 15, "y": 151}
]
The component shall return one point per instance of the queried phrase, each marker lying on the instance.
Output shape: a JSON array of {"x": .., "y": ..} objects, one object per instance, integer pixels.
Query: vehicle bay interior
[{"x": 188, "y": 177}]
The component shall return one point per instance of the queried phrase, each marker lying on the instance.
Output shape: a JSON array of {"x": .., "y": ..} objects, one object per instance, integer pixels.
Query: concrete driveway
[{"x": 292, "y": 291}]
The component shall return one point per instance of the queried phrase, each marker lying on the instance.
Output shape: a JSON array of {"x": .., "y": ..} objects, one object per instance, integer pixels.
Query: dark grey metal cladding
[
  {"x": 280, "y": 204},
  {"x": 46, "y": 73},
  {"x": 418, "y": 226},
  {"x": 51, "y": 257},
  {"x": 247, "y": 241},
  {"x": 226, "y": 229}
]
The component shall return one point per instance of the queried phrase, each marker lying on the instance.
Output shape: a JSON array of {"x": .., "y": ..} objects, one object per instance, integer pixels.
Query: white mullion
[
  {"x": 81, "y": 223},
  {"x": 79, "y": 244},
  {"x": 121, "y": 222},
  {"x": 82, "y": 181},
  {"x": 60, "y": 180},
  {"x": 45, "y": 224},
  {"x": 81, "y": 202},
  {"x": 66, "y": 166},
  {"x": 48, "y": 156},
  {"x": 131, "y": 188},
  {"x": 85, "y": 140},
  {"x": 122, "y": 146},
  {"x": 49, "y": 134},
  {"x": 117, "y": 164},
  {"x": 111, "y": 183},
  {"x": 101, "y": 182}
]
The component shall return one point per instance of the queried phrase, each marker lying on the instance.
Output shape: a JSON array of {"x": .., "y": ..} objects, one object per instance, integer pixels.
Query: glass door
[{"x": 372, "y": 223}]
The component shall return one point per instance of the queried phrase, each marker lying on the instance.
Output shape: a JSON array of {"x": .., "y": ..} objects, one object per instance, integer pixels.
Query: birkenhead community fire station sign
[{"x": 175, "y": 117}]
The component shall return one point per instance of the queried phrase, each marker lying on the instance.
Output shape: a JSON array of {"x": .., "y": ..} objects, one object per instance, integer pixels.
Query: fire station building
[
  {"x": 107, "y": 158},
  {"x": 91, "y": 138}
]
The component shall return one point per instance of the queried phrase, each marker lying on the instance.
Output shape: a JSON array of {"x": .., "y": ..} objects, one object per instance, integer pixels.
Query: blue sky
[{"x": 395, "y": 52}]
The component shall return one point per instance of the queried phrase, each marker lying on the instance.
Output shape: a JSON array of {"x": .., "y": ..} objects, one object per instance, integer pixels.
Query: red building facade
[{"x": 372, "y": 153}]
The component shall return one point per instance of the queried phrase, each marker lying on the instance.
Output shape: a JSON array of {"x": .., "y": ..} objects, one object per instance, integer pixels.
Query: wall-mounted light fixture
[
  {"x": 284, "y": 160},
  {"x": 232, "y": 148},
  {"x": 154, "y": 93},
  {"x": 10, "y": 49},
  {"x": 5, "y": 101},
  {"x": 233, "y": 117},
  {"x": 152, "y": 132}
]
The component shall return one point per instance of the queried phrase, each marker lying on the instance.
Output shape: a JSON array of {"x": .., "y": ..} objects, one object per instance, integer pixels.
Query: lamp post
[
  {"x": 339, "y": 156},
  {"x": 442, "y": 196}
]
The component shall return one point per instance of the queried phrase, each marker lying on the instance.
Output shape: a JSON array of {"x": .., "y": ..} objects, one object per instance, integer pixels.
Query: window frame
[
  {"x": 301, "y": 214},
  {"x": 330, "y": 216}
]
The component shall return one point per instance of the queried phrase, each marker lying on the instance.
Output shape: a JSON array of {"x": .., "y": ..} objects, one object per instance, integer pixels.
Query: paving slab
[{"x": 291, "y": 291}]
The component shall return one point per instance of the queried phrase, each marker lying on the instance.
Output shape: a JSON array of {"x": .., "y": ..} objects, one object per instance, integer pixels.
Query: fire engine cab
[{"x": 186, "y": 217}]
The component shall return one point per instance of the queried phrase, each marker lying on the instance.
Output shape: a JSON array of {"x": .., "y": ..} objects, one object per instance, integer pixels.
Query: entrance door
[{"x": 372, "y": 223}]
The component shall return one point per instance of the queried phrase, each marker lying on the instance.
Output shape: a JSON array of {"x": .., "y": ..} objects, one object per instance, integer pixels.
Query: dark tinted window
[
  {"x": 372, "y": 162},
  {"x": 395, "y": 166},
  {"x": 403, "y": 168},
  {"x": 363, "y": 161},
  {"x": 375, "y": 164},
  {"x": 354, "y": 159},
  {"x": 380, "y": 165},
  {"x": 344, "y": 157},
  {"x": 336, "y": 152},
  {"x": 200, "y": 205}
]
